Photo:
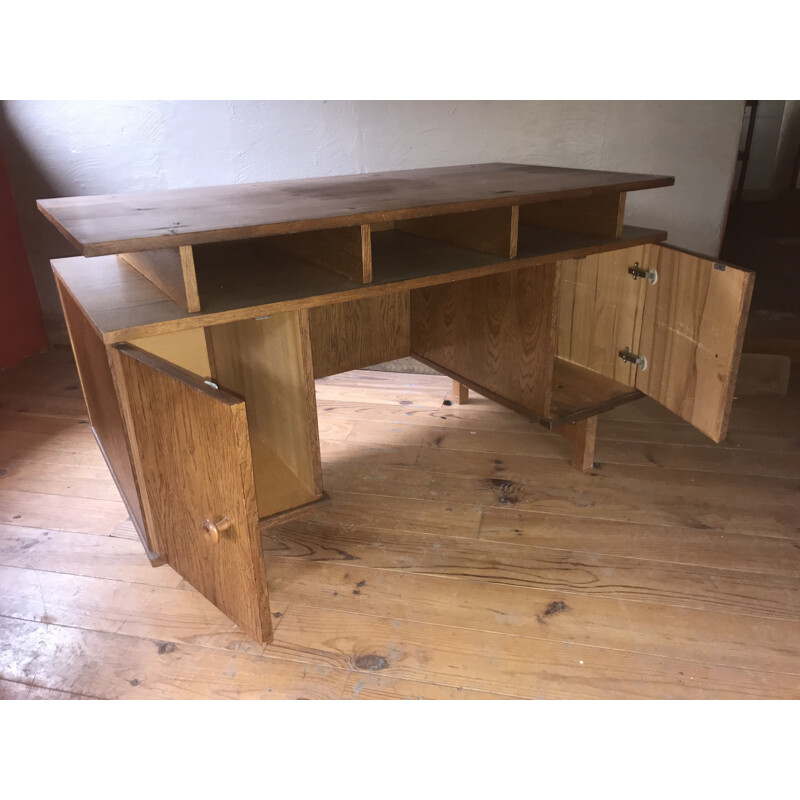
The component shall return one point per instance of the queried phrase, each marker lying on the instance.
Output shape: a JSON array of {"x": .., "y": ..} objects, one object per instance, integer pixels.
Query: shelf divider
[{"x": 172, "y": 270}]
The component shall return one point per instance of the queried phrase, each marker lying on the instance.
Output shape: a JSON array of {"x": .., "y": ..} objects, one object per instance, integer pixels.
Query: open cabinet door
[
  {"x": 191, "y": 450},
  {"x": 692, "y": 329}
]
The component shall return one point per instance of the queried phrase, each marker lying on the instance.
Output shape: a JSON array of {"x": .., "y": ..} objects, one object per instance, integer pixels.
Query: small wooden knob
[{"x": 215, "y": 529}]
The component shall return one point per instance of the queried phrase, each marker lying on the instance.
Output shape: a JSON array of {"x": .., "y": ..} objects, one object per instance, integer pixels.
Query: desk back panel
[
  {"x": 597, "y": 215},
  {"x": 498, "y": 332},
  {"x": 492, "y": 230},
  {"x": 360, "y": 333}
]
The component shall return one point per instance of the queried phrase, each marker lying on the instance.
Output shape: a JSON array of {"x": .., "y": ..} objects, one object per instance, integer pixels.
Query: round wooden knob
[{"x": 215, "y": 529}]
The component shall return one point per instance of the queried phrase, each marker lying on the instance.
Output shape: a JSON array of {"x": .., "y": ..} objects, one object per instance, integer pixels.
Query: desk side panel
[{"x": 100, "y": 394}]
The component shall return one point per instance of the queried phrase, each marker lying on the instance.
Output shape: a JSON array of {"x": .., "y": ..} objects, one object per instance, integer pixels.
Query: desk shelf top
[{"x": 119, "y": 223}]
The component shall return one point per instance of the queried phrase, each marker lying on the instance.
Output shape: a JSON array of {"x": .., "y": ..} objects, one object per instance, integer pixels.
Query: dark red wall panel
[{"x": 21, "y": 329}]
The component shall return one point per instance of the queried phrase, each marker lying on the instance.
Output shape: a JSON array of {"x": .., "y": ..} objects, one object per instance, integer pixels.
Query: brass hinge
[
  {"x": 651, "y": 275},
  {"x": 632, "y": 358}
]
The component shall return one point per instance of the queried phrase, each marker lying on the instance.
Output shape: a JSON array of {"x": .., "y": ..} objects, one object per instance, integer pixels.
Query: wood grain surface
[
  {"x": 242, "y": 280},
  {"x": 172, "y": 270},
  {"x": 347, "y": 251},
  {"x": 600, "y": 214},
  {"x": 692, "y": 332},
  {"x": 670, "y": 572},
  {"x": 498, "y": 332},
  {"x": 493, "y": 230},
  {"x": 268, "y": 363},
  {"x": 194, "y": 460},
  {"x": 99, "y": 391},
  {"x": 106, "y": 224},
  {"x": 600, "y": 312},
  {"x": 360, "y": 333}
]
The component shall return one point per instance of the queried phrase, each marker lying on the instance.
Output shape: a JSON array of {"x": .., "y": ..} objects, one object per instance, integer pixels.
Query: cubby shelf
[{"x": 242, "y": 279}]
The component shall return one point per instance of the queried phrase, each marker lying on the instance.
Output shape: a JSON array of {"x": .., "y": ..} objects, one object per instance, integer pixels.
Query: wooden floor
[{"x": 461, "y": 557}]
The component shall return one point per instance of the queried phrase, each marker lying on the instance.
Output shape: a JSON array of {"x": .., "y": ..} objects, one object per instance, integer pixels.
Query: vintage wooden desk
[{"x": 199, "y": 319}]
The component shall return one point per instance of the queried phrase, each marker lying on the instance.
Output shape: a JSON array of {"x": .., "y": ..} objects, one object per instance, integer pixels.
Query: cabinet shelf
[{"x": 579, "y": 393}]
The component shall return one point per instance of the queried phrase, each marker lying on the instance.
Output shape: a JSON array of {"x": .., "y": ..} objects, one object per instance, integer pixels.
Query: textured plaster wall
[{"x": 57, "y": 148}]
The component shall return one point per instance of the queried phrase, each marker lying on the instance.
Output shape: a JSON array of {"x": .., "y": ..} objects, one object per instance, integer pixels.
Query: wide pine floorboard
[{"x": 460, "y": 557}]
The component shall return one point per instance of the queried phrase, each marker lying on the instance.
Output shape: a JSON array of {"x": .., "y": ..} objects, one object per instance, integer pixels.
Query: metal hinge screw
[
  {"x": 632, "y": 358},
  {"x": 651, "y": 275}
]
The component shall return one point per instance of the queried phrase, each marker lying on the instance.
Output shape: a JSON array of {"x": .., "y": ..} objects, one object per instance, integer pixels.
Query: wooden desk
[{"x": 199, "y": 319}]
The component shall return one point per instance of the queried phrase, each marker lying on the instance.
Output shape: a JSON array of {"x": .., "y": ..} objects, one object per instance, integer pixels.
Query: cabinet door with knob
[{"x": 191, "y": 452}]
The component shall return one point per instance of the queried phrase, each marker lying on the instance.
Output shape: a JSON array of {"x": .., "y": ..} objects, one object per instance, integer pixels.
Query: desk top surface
[{"x": 117, "y": 223}]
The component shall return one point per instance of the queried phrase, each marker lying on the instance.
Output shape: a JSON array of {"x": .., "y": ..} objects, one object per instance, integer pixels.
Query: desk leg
[
  {"x": 461, "y": 393},
  {"x": 582, "y": 435}
]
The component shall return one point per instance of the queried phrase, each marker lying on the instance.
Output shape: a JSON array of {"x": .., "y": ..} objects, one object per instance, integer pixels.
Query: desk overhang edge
[{"x": 88, "y": 248}]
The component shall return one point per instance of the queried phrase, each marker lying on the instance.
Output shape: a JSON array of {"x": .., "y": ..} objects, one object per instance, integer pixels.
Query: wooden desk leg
[
  {"x": 582, "y": 435},
  {"x": 461, "y": 393}
]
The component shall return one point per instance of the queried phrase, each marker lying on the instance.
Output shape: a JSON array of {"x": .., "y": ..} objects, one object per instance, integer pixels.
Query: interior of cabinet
[
  {"x": 267, "y": 362},
  {"x": 600, "y": 309},
  {"x": 186, "y": 349},
  {"x": 579, "y": 393}
]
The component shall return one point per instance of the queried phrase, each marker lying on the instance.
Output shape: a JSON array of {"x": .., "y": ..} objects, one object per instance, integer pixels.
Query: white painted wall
[{"x": 61, "y": 148}]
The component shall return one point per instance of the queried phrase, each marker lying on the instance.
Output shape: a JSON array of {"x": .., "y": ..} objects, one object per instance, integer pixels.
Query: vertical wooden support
[
  {"x": 172, "y": 270},
  {"x": 461, "y": 393},
  {"x": 583, "y": 435}
]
